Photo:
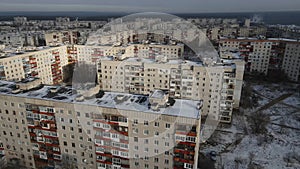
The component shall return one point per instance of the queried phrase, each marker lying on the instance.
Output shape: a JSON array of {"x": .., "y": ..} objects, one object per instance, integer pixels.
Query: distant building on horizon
[{"x": 266, "y": 55}]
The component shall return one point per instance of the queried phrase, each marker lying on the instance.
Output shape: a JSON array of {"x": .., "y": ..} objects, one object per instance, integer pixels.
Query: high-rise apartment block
[
  {"x": 144, "y": 112},
  {"x": 54, "y": 127},
  {"x": 216, "y": 85},
  {"x": 138, "y": 69},
  {"x": 265, "y": 55},
  {"x": 55, "y": 38}
]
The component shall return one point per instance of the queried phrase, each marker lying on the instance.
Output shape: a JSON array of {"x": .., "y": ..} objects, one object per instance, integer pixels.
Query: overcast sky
[{"x": 171, "y": 6}]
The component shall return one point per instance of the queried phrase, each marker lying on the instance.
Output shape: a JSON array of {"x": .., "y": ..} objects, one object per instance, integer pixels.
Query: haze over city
[
  {"x": 131, "y": 84},
  {"x": 170, "y": 6}
]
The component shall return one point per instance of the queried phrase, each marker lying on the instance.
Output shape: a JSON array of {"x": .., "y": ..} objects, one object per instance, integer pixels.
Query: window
[
  {"x": 122, "y": 119},
  {"x": 146, "y": 123},
  {"x": 135, "y": 121},
  {"x": 116, "y": 160},
  {"x": 135, "y": 139},
  {"x": 191, "y": 139},
  {"x": 156, "y": 124},
  {"x": 187, "y": 165},
  {"x": 136, "y": 147},
  {"x": 146, "y": 132},
  {"x": 168, "y": 125}
]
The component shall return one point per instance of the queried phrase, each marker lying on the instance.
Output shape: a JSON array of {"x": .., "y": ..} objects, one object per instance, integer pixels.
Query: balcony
[
  {"x": 180, "y": 151},
  {"x": 182, "y": 147}
]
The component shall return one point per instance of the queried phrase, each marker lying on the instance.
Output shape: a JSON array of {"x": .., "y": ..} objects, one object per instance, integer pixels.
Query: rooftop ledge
[{"x": 122, "y": 101}]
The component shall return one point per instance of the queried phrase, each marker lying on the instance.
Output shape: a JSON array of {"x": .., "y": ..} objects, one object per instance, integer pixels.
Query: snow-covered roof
[{"x": 140, "y": 103}]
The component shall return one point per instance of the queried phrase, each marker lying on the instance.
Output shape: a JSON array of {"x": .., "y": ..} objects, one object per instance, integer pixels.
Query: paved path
[{"x": 278, "y": 101}]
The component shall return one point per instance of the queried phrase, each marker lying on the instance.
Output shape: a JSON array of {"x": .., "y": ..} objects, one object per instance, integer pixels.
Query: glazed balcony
[{"x": 181, "y": 147}]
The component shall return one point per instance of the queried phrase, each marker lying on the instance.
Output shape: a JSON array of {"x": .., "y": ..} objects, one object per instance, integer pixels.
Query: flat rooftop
[
  {"x": 10, "y": 52},
  {"x": 149, "y": 60},
  {"x": 123, "y": 101},
  {"x": 256, "y": 39}
]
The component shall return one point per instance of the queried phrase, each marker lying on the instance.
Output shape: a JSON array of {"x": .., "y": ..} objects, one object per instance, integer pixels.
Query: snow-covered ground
[
  {"x": 293, "y": 100},
  {"x": 270, "y": 91},
  {"x": 278, "y": 148}
]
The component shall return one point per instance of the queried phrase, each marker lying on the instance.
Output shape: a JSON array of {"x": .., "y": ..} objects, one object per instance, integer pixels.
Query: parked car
[{"x": 213, "y": 155}]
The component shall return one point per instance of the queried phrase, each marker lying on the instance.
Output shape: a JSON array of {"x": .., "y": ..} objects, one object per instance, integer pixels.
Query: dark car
[{"x": 213, "y": 155}]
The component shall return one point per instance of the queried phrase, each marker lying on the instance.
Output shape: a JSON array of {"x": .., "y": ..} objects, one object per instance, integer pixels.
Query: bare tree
[{"x": 258, "y": 122}]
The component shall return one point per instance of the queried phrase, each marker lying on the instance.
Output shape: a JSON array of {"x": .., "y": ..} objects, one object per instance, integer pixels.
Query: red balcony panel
[
  {"x": 124, "y": 141},
  {"x": 125, "y": 166},
  {"x": 188, "y": 143},
  {"x": 192, "y": 134},
  {"x": 47, "y": 113},
  {"x": 123, "y": 158},
  {"x": 36, "y": 156},
  {"x": 32, "y": 134},
  {"x": 178, "y": 167},
  {"x": 48, "y": 121},
  {"x": 180, "y": 151},
  {"x": 183, "y": 160},
  {"x": 51, "y": 137},
  {"x": 104, "y": 154},
  {"x": 51, "y": 144},
  {"x": 32, "y": 127},
  {"x": 104, "y": 162}
]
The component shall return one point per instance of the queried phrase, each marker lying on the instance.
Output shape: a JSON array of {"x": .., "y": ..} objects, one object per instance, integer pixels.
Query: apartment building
[
  {"x": 20, "y": 20},
  {"x": 219, "y": 86},
  {"x": 265, "y": 55},
  {"x": 291, "y": 61},
  {"x": 13, "y": 39},
  {"x": 45, "y": 63},
  {"x": 53, "y": 126},
  {"x": 145, "y": 50},
  {"x": 147, "y": 67},
  {"x": 61, "y": 37}
]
